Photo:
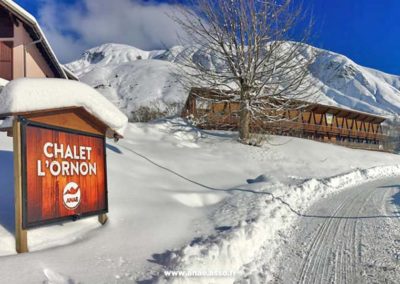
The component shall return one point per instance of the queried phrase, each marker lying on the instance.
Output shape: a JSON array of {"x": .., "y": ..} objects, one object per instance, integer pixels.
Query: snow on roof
[
  {"x": 28, "y": 94},
  {"x": 3, "y": 82},
  {"x": 19, "y": 10},
  {"x": 31, "y": 20}
]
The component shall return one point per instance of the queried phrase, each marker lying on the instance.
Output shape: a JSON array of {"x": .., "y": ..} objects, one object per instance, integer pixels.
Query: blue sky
[{"x": 367, "y": 31}]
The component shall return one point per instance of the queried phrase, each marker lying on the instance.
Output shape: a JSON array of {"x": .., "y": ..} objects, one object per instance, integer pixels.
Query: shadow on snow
[{"x": 7, "y": 213}]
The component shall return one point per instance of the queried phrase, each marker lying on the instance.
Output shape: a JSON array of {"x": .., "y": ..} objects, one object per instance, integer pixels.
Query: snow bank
[
  {"x": 3, "y": 82},
  {"x": 235, "y": 249},
  {"x": 29, "y": 94}
]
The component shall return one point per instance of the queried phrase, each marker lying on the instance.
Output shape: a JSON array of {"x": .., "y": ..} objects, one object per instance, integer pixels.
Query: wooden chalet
[
  {"x": 24, "y": 49},
  {"x": 212, "y": 110}
]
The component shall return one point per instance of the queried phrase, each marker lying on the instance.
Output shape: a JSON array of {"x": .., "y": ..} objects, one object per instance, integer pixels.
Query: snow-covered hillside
[
  {"x": 130, "y": 78},
  {"x": 133, "y": 78},
  {"x": 109, "y": 54},
  {"x": 188, "y": 200},
  {"x": 348, "y": 84}
]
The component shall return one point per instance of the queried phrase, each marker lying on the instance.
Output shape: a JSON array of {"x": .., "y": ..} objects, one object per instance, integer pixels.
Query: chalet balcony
[
  {"x": 224, "y": 122},
  {"x": 330, "y": 131},
  {"x": 211, "y": 110}
]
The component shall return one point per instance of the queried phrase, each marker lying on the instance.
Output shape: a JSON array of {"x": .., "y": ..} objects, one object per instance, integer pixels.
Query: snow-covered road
[{"x": 350, "y": 237}]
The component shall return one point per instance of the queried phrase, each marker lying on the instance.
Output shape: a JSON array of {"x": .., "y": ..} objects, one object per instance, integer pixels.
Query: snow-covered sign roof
[
  {"x": 3, "y": 82},
  {"x": 32, "y": 95},
  {"x": 31, "y": 22}
]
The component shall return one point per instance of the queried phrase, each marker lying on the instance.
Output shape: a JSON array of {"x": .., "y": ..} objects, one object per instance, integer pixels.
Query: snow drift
[{"x": 236, "y": 248}]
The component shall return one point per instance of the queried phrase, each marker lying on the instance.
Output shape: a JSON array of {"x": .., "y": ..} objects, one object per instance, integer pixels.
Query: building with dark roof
[{"x": 213, "y": 110}]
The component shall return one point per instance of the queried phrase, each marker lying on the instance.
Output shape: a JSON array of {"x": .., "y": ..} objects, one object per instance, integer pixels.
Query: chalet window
[
  {"x": 203, "y": 104},
  {"x": 306, "y": 117},
  {"x": 329, "y": 118},
  {"x": 6, "y": 24},
  {"x": 340, "y": 122},
  {"x": 318, "y": 118},
  {"x": 234, "y": 107},
  {"x": 6, "y": 60},
  {"x": 219, "y": 108}
]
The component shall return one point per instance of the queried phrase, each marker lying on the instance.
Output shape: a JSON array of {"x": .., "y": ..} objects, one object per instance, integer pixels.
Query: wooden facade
[
  {"x": 6, "y": 60},
  {"x": 314, "y": 121},
  {"x": 24, "y": 50},
  {"x": 44, "y": 175},
  {"x": 7, "y": 23},
  {"x": 59, "y": 167},
  {"x": 6, "y": 46}
]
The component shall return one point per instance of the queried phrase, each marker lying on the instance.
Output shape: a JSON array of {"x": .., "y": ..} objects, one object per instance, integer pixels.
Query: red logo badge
[{"x": 72, "y": 196}]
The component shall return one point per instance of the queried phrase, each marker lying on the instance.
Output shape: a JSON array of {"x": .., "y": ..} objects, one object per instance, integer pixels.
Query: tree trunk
[{"x": 244, "y": 123}]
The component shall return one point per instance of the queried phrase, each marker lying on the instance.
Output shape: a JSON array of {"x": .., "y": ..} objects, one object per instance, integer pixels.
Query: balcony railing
[
  {"x": 320, "y": 129},
  {"x": 225, "y": 122}
]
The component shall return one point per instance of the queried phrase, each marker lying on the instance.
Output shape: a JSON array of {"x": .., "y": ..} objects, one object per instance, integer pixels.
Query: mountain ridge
[{"x": 133, "y": 78}]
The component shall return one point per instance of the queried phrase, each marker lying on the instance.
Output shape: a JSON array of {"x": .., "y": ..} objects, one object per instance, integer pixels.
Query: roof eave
[{"x": 69, "y": 73}]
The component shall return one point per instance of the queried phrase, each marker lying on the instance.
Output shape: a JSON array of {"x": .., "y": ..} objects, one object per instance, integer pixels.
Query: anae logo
[{"x": 72, "y": 196}]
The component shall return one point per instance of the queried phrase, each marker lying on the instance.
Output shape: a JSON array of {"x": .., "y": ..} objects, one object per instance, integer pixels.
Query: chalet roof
[
  {"x": 34, "y": 30},
  {"x": 344, "y": 112},
  {"x": 71, "y": 75},
  {"x": 315, "y": 107}
]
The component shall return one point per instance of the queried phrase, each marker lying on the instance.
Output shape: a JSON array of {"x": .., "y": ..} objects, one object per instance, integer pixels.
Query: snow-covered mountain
[
  {"x": 347, "y": 84},
  {"x": 132, "y": 78}
]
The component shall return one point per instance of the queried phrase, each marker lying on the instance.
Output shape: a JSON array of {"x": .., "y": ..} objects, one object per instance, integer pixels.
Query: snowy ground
[
  {"x": 190, "y": 201},
  {"x": 352, "y": 237}
]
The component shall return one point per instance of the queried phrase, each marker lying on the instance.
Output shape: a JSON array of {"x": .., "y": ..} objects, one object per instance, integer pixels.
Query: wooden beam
[
  {"x": 103, "y": 218},
  {"x": 21, "y": 236}
]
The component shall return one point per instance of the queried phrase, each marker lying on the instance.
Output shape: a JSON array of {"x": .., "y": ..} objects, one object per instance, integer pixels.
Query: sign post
[
  {"x": 21, "y": 238},
  {"x": 59, "y": 130},
  {"x": 63, "y": 174},
  {"x": 103, "y": 218},
  {"x": 60, "y": 173}
]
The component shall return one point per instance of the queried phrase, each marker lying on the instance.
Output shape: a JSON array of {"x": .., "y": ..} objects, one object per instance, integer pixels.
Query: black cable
[
  {"x": 209, "y": 187},
  {"x": 282, "y": 201}
]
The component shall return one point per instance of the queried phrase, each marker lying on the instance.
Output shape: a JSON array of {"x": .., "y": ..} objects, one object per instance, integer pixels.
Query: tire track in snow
[
  {"x": 309, "y": 264},
  {"x": 332, "y": 225},
  {"x": 312, "y": 258},
  {"x": 335, "y": 249}
]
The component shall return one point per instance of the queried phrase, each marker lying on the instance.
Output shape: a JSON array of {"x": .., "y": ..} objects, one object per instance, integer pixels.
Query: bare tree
[{"x": 250, "y": 44}]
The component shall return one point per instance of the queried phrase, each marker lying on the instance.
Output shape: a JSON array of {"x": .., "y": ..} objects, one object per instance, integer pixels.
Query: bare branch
[{"x": 249, "y": 49}]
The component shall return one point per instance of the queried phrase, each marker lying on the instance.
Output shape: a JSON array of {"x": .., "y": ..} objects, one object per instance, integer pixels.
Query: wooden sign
[{"x": 64, "y": 174}]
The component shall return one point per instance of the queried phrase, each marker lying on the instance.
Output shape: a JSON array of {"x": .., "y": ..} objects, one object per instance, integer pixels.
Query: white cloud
[{"x": 73, "y": 28}]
